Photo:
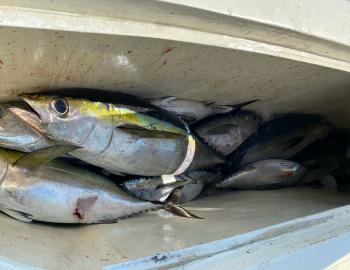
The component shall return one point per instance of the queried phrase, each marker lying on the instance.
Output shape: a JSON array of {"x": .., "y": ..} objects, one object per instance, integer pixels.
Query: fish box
[{"x": 293, "y": 57}]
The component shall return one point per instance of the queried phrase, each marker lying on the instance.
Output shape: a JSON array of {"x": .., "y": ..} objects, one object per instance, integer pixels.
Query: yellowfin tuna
[
  {"x": 35, "y": 188},
  {"x": 120, "y": 137}
]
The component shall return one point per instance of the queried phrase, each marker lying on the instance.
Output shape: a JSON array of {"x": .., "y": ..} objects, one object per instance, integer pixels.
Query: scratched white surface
[{"x": 320, "y": 241}]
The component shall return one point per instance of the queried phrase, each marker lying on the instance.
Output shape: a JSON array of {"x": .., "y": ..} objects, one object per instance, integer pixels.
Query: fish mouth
[
  {"x": 30, "y": 118},
  {"x": 36, "y": 106}
]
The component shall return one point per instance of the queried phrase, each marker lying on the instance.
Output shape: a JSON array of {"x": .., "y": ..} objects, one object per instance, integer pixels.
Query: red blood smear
[{"x": 77, "y": 213}]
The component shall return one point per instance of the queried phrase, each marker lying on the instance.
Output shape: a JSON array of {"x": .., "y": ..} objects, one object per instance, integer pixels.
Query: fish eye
[{"x": 60, "y": 106}]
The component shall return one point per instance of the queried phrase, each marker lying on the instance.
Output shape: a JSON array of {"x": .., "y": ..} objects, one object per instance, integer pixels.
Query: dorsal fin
[
  {"x": 39, "y": 157},
  {"x": 244, "y": 103}
]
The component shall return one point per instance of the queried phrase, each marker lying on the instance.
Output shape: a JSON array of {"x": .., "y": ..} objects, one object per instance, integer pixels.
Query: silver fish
[
  {"x": 156, "y": 189},
  {"x": 226, "y": 132},
  {"x": 60, "y": 193},
  {"x": 117, "y": 139},
  {"x": 192, "y": 111},
  {"x": 152, "y": 188},
  {"x": 282, "y": 138},
  {"x": 14, "y": 134},
  {"x": 187, "y": 193},
  {"x": 266, "y": 174},
  {"x": 191, "y": 191}
]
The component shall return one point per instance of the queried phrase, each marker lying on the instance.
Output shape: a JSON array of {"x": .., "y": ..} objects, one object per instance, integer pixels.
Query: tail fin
[{"x": 180, "y": 211}]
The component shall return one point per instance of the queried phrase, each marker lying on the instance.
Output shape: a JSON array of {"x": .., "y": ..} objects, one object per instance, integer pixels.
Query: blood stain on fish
[
  {"x": 77, "y": 213},
  {"x": 288, "y": 173},
  {"x": 83, "y": 205}
]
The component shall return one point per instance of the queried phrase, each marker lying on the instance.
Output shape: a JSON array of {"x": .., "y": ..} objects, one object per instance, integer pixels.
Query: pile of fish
[{"x": 86, "y": 156}]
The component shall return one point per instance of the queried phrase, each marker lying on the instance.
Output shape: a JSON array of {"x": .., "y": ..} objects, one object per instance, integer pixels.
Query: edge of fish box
[{"x": 296, "y": 243}]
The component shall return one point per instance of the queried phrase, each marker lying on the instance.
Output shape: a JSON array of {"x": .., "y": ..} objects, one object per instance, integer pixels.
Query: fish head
[{"x": 59, "y": 118}]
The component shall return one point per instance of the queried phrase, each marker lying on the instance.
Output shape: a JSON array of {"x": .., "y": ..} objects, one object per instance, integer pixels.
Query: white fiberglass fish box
[{"x": 292, "y": 56}]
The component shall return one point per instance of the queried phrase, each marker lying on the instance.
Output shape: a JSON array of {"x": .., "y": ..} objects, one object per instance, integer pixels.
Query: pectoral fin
[
  {"x": 128, "y": 126},
  {"x": 166, "y": 101},
  {"x": 17, "y": 215},
  {"x": 39, "y": 157}
]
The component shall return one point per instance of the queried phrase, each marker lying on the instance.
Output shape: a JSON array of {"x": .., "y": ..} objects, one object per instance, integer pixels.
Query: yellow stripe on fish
[{"x": 125, "y": 116}]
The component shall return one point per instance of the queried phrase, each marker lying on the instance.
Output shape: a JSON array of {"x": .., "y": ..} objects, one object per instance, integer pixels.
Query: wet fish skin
[
  {"x": 85, "y": 110},
  {"x": 112, "y": 99},
  {"x": 265, "y": 174},
  {"x": 226, "y": 132},
  {"x": 192, "y": 111},
  {"x": 137, "y": 152},
  {"x": 143, "y": 187},
  {"x": 154, "y": 188},
  {"x": 151, "y": 188},
  {"x": 187, "y": 193},
  {"x": 16, "y": 135},
  {"x": 192, "y": 190},
  {"x": 280, "y": 138},
  {"x": 142, "y": 146},
  {"x": 60, "y": 193}
]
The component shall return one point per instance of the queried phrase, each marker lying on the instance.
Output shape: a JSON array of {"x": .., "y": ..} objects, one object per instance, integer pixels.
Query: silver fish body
[
  {"x": 150, "y": 188},
  {"x": 191, "y": 191},
  {"x": 189, "y": 110},
  {"x": 225, "y": 133},
  {"x": 279, "y": 138},
  {"x": 156, "y": 189},
  {"x": 142, "y": 146},
  {"x": 14, "y": 134},
  {"x": 188, "y": 192},
  {"x": 145, "y": 153},
  {"x": 60, "y": 193},
  {"x": 136, "y": 152},
  {"x": 265, "y": 174}
]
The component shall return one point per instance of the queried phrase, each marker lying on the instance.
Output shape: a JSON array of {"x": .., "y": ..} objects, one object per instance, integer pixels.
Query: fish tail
[{"x": 179, "y": 211}]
